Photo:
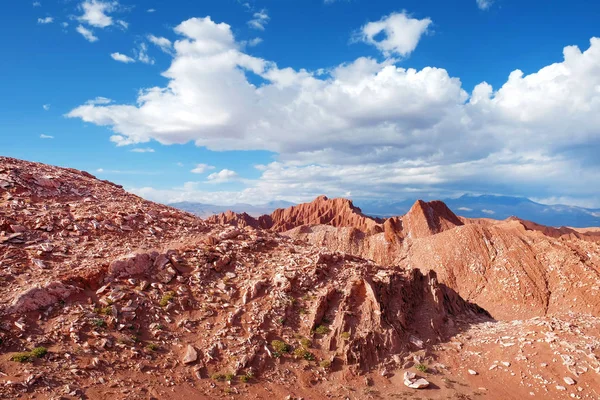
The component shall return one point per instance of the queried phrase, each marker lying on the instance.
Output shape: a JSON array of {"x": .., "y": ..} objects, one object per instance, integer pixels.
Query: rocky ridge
[
  {"x": 512, "y": 268},
  {"x": 105, "y": 294}
]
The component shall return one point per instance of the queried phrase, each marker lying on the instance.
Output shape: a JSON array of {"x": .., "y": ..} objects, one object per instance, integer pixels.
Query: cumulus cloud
[
  {"x": 42, "y": 136},
  {"x": 142, "y": 54},
  {"x": 252, "y": 42},
  {"x": 122, "y": 58},
  {"x": 46, "y": 107},
  {"x": 402, "y": 33},
  {"x": 259, "y": 20},
  {"x": 369, "y": 126},
  {"x": 96, "y": 13},
  {"x": 225, "y": 175},
  {"x": 87, "y": 34},
  {"x": 163, "y": 43},
  {"x": 46, "y": 20},
  {"x": 484, "y": 4},
  {"x": 201, "y": 168}
]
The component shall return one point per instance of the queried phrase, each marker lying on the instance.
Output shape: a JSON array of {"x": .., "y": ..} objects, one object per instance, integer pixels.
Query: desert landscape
[
  {"x": 300, "y": 200},
  {"x": 104, "y": 294}
]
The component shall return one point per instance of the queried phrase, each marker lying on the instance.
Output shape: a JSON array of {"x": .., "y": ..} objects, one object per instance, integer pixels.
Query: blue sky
[{"x": 227, "y": 101}]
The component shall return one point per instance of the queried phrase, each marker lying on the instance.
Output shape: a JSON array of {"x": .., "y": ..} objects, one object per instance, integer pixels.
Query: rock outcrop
[{"x": 512, "y": 268}]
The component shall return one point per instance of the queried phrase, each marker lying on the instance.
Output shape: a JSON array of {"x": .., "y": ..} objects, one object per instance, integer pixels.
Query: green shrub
[
  {"x": 345, "y": 335},
  {"x": 39, "y": 352},
  {"x": 218, "y": 377},
  {"x": 281, "y": 346},
  {"x": 229, "y": 377},
  {"x": 325, "y": 364},
  {"x": 321, "y": 330},
  {"x": 306, "y": 343},
  {"x": 421, "y": 367},
  {"x": 166, "y": 299},
  {"x": 152, "y": 346},
  {"x": 303, "y": 353},
  {"x": 99, "y": 323},
  {"x": 22, "y": 357}
]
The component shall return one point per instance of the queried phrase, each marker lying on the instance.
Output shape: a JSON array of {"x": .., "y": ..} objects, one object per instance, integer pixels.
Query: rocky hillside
[
  {"x": 104, "y": 294},
  {"x": 512, "y": 268}
]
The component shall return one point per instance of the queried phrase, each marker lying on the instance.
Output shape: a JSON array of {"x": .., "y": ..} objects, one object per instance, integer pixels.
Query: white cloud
[
  {"x": 122, "y": 58},
  {"x": 402, "y": 33},
  {"x": 142, "y": 54},
  {"x": 489, "y": 212},
  {"x": 151, "y": 10},
  {"x": 46, "y": 20},
  {"x": 484, "y": 4},
  {"x": 37, "y": 4},
  {"x": 180, "y": 164},
  {"x": 46, "y": 107},
  {"x": 96, "y": 12},
  {"x": 225, "y": 175},
  {"x": 142, "y": 150},
  {"x": 64, "y": 24},
  {"x": 202, "y": 168},
  {"x": 99, "y": 101},
  {"x": 464, "y": 209},
  {"x": 163, "y": 43},
  {"x": 87, "y": 34},
  {"x": 253, "y": 42},
  {"x": 420, "y": 127},
  {"x": 42, "y": 136},
  {"x": 100, "y": 170},
  {"x": 259, "y": 20}
]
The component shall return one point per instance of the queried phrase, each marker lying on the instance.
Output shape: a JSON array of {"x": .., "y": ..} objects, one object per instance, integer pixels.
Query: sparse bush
[
  {"x": 22, "y": 357},
  {"x": 303, "y": 353},
  {"x": 99, "y": 323},
  {"x": 321, "y": 330},
  {"x": 218, "y": 377},
  {"x": 276, "y": 354},
  {"x": 345, "y": 335},
  {"x": 306, "y": 343},
  {"x": 229, "y": 377},
  {"x": 39, "y": 352},
  {"x": 152, "y": 346},
  {"x": 166, "y": 299},
  {"x": 281, "y": 346},
  {"x": 325, "y": 364},
  {"x": 421, "y": 367}
]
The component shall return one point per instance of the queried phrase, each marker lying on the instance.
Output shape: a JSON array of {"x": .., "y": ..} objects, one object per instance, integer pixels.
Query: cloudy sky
[{"x": 227, "y": 101}]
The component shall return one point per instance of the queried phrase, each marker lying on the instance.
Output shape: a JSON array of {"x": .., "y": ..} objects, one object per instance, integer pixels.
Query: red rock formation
[{"x": 512, "y": 268}]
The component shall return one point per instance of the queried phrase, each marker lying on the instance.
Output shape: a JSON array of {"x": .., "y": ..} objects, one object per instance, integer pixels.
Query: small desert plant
[
  {"x": 39, "y": 352},
  {"x": 166, "y": 299},
  {"x": 325, "y": 364},
  {"x": 24, "y": 357},
  {"x": 99, "y": 323},
  {"x": 218, "y": 377},
  {"x": 345, "y": 335},
  {"x": 303, "y": 353},
  {"x": 321, "y": 330},
  {"x": 229, "y": 377},
  {"x": 280, "y": 346},
  {"x": 421, "y": 367},
  {"x": 152, "y": 346},
  {"x": 306, "y": 343}
]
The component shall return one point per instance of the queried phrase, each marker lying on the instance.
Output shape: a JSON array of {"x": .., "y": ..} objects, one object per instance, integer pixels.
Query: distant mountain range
[
  {"x": 470, "y": 206},
  {"x": 206, "y": 210}
]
